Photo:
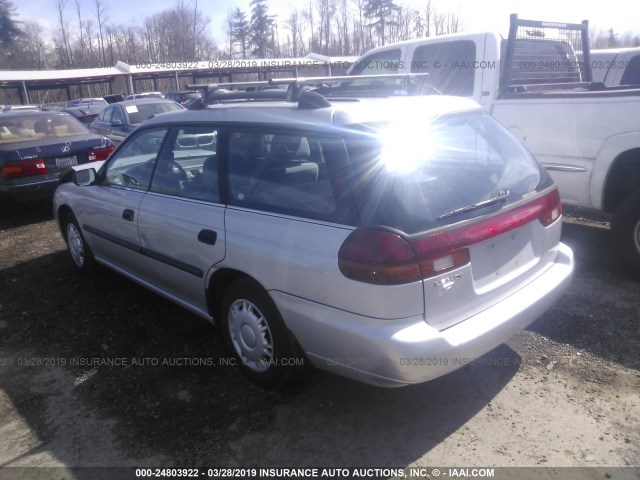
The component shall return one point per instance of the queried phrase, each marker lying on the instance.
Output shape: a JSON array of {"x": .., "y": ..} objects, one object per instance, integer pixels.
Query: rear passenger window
[
  {"x": 105, "y": 116},
  {"x": 188, "y": 167},
  {"x": 450, "y": 66},
  {"x": 631, "y": 75},
  {"x": 380, "y": 63},
  {"x": 282, "y": 172},
  {"x": 117, "y": 116}
]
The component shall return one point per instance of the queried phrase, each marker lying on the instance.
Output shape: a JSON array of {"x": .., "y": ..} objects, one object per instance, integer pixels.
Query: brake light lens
[
  {"x": 101, "y": 154},
  {"x": 379, "y": 257},
  {"x": 552, "y": 210},
  {"x": 386, "y": 258},
  {"x": 24, "y": 168}
]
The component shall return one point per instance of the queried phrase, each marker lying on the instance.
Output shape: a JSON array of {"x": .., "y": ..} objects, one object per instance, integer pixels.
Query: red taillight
[
  {"x": 381, "y": 257},
  {"x": 101, "y": 154},
  {"x": 552, "y": 209},
  {"x": 24, "y": 168}
]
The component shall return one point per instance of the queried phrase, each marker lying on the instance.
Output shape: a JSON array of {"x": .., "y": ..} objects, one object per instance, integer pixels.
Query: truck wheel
[
  {"x": 626, "y": 231},
  {"x": 257, "y": 336}
]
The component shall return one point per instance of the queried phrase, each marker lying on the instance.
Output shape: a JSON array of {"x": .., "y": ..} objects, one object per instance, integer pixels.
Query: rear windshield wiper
[{"x": 502, "y": 195}]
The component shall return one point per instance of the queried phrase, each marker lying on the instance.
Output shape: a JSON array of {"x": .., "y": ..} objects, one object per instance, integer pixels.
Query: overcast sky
[{"x": 476, "y": 14}]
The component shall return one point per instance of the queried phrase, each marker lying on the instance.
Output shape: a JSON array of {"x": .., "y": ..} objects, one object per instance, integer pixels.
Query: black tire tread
[{"x": 624, "y": 222}]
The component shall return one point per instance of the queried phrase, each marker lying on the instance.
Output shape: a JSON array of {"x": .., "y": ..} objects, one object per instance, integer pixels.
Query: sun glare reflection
[{"x": 407, "y": 145}]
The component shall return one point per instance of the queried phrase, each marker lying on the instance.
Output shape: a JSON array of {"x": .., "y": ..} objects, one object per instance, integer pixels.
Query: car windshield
[
  {"x": 25, "y": 128},
  {"x": 141, "y": 112},
  {"x": 415, "y": 176}
]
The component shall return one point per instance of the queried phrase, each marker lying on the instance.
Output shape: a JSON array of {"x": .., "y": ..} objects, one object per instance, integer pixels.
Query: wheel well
[
  {"x": 222, "y": 279},
  {"x": 623, "y": 178},
  {"x": 218, "y": 284}
]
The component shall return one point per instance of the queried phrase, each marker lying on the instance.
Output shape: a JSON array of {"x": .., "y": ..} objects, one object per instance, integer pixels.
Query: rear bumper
[
  {"x": 392, "y": 353},
  {"x": 29, "y": 191}
]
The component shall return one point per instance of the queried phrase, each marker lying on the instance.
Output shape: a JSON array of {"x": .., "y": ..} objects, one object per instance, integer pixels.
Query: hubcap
[
  {"x": 76, "y": 247},
  {"x": 250, "y": 335}
]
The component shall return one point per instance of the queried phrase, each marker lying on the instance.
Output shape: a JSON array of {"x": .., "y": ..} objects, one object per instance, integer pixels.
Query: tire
[
  {"x": 626, "y": 234},
  {"x": 257, "y": 337},
  {"x": 79, "y": 251}
]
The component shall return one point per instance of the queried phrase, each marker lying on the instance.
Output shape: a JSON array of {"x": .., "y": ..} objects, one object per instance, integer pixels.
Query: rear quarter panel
[{"x": 300, "y": 258}]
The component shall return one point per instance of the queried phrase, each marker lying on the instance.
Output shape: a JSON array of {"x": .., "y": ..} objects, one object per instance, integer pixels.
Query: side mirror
[
  {"x": 117, "y": 123},
  {"x": 84, "y": 178}
]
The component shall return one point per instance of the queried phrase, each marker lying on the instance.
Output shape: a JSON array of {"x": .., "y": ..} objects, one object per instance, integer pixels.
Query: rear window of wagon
[{"x": 409, "y": 175}]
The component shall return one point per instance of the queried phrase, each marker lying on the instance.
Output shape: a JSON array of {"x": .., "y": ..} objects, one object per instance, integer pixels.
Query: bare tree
[
  {"x": 326, "y": 12},
  {"x": 295, "y": 27},
  {"x": 64, "y": 48},
  {"x": 344, "y": 41},
  {"x": 229, "y": 34},
  {"x": 83, "y": 57},
  {"x": 428, "y": 18},
  {"x": 35, "y": 51},
  {"x": 309, "y": 16},
  {"x": 359, "y": 26},
  {"x": 101, "y": 17}
]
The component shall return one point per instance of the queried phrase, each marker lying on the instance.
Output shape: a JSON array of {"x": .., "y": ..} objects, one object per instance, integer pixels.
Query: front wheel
[
  {"x": 78, "y": 249},
  {"x": 260, "y": 342},
  {"x": 626, "y": 231}
]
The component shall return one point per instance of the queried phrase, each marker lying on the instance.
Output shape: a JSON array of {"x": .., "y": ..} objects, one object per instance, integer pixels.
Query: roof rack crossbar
[{"x": 297, "y": 86}]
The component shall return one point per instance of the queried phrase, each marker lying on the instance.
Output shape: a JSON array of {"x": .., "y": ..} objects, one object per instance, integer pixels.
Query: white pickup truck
[
  {"x": 616, "y": 66},
  {"x": 587, "y": 135}
]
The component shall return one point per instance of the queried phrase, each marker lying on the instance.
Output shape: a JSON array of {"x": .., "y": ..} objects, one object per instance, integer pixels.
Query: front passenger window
[{"x": 132, "y": 165}]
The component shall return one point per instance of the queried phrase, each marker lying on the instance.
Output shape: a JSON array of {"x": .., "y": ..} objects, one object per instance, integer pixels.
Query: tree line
[{"x": 89, "y": 38}]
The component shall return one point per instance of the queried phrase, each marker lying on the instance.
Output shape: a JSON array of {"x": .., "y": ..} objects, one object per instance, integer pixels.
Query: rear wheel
[
  {"x": 626, "y": 230},
  {"x": 257, "y": 336},
  {"x": 78, "y": 249}
]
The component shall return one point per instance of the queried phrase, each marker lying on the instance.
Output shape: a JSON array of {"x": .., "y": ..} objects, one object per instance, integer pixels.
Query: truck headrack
[{"x": 545, "y": 53}]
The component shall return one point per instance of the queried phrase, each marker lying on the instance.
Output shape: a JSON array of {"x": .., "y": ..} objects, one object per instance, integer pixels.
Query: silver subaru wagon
[{"x": 389, "y": 240}]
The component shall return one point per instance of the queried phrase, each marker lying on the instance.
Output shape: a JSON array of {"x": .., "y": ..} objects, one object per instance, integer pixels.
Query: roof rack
[{"x": 309, "y": 92}]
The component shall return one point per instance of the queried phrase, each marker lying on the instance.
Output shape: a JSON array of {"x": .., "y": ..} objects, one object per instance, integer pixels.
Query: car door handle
[
  {"x": 207, "y": 236},
  {"x": 128, "y": 214}
]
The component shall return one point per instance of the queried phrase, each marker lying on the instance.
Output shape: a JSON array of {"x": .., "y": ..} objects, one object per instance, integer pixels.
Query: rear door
[
  {"x": 118, "y": 129},
  {"x": 181, "y": 219}
]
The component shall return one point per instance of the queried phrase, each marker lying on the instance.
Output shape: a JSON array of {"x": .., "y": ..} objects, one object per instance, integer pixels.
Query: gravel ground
[{"x": 563, "y": 393}]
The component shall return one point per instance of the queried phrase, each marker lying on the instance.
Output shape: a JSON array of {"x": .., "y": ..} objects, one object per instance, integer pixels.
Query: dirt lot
[{"x": 566, "y": 392}]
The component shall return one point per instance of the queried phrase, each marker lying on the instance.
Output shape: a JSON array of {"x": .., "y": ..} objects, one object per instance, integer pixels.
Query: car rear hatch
[{"x": 472, "y": 214}]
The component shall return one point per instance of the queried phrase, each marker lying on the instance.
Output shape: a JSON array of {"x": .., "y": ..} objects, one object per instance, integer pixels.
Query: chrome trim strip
[
  {"x": 172, "y": 262},
  {"x": 564, "y": 168}
]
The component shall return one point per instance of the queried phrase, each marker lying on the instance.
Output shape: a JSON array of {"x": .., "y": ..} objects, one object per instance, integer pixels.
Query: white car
[{"x": 390, "y": 240}]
